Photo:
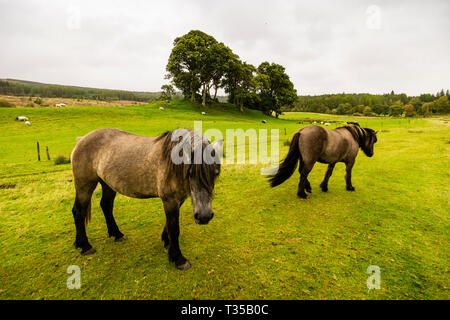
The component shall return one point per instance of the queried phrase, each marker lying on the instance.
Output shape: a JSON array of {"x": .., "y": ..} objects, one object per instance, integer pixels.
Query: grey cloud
[{"x": 326, "y": 47}]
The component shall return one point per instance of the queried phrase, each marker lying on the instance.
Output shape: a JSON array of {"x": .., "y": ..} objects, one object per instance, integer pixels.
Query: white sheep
[
  {"x": 22, "y": 118},
  {"x": 161, "y": 108},
  {"x": 28, "y": 123},
  {"x": 327, "y": 124},
  {"x": 203, "y": 113}
]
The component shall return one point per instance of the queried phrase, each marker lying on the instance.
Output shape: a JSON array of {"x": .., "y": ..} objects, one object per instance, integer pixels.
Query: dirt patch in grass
[
  {"x": 7, "y": 186},
  {"x": 25, "y": 101}
]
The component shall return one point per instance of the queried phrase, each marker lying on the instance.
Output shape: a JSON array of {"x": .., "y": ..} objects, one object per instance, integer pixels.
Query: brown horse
[
  {"x": 314, "y": 143},
  {"x": 144, "y": 167}
]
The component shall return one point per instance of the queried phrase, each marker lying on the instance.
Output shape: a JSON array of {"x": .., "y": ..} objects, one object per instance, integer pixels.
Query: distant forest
[
  {"x": 344, "y": 103},
  {"x": 36, "y": 89},
  {"x": 374, "y": 104}
]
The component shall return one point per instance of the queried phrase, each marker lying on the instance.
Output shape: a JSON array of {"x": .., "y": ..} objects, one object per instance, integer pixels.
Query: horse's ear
[{"x": 218, "y": 145}]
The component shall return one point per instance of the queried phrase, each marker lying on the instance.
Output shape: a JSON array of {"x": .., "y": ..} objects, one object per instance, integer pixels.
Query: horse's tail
[{"x": 289, "y": 164}]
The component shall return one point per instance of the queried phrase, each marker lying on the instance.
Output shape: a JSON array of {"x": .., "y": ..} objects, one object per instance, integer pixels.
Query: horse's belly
[
  {"x": 329, "y": 158},
  {"x": 132, "y": 187},
  {"x": 129, "y": 178}
]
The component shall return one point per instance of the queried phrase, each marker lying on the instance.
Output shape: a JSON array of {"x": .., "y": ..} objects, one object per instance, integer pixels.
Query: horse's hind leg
[
  {"x": 305, "y": 169},
  {"x": 81, "y": 213},
  {"x": 324, "y": 184},
  {"x": 308, "y": 184},
  {"x": 107, "y": 204}
]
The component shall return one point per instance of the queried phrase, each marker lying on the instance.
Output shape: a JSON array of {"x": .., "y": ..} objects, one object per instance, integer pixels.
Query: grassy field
[{"x": 263, "y": 243}]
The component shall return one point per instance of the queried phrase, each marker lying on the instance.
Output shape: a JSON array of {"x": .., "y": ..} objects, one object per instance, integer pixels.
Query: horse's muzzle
[{"x": 203, "y": 219}]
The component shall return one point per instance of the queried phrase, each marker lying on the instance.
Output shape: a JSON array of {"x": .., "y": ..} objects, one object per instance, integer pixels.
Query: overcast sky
[{"x": 328, "y": 47}]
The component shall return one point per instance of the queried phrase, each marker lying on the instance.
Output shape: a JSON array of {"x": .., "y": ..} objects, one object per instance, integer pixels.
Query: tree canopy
[{"x": 198, "y": 63}]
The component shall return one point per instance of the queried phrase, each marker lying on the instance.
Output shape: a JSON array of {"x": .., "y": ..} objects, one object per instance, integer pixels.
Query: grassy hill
[
  {"x": 31, "y": 88},
  {"x": 263, "y": 243}
]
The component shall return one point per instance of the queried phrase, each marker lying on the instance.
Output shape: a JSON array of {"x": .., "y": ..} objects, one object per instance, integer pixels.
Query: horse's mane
[
  {"x": 361, "y": 135},
  {"x": 205, "y": 173}
]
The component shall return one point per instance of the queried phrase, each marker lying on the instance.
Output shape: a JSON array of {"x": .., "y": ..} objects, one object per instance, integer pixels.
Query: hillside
[{"x": 15, "y": 87}]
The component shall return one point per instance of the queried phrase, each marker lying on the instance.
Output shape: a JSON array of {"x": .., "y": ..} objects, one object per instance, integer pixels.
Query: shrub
[
  {"x": 61, "y": 160},
  {"x": 367, "y": 111},
  {"x": 6, "y": 104},
  {"x": 38, "y": 101}
]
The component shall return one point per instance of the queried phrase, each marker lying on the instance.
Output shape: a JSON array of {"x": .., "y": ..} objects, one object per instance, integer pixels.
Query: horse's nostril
[{"x": 196, "y": 215}]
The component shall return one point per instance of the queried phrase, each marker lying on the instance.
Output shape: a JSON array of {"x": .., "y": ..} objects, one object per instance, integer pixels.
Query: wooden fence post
[
  {"x": 48, "y": 154},
  {"x": 38, "y": 152}
]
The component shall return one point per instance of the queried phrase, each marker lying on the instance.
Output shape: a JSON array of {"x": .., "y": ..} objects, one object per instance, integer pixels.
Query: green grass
[{"x": 263, "y": 243}]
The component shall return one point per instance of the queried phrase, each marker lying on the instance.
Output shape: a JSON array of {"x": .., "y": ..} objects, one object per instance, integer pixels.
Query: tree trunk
[
  {"x": 204, "y": 95},
  {"x": 241, "y": 105},
  {"x": 215, "y": 92}
]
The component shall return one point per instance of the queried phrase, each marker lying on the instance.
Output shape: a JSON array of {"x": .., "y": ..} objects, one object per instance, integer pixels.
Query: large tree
[
  {"x": 185, "y": 61},
  {"x": 239, "y": 82},
  {"x": 214, "y": 62},
  {"x": 197, "y": 61},
  {"x": 275, "y": 89}
]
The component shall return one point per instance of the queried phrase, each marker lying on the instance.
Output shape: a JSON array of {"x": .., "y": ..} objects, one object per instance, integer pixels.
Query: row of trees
[
  {"x": 35, "y": 89},
  {"x": 371, "y": 104},
  {"x": 199, "y": 63}
]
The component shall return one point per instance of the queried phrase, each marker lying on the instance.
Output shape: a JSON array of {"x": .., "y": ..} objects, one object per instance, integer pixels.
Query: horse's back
[
  {"x": 325, "y": 145},
  {"x": 88, "y": 145},
  {"x": 124, "y": 161}
]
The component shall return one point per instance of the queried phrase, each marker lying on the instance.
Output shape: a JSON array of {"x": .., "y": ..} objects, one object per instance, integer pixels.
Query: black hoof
[
  {"x": 88, "y": 252},
  {"x": 302, "y": 195},
  {"x": 324, "y": 189},
  {"x": 184, "y": 266},
  {"x": 350, "y": 189},
  {"x": 308, "y": 190},
  {"x": 122, "y": 238}
]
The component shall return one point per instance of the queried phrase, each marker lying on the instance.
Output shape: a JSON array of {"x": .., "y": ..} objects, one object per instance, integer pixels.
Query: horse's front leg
[
  {"x": 172, "y": 209},
  {"x": 324, "y": 184},
  {"x": 165, "y": 237},
  {"x": 348, "y": 175}
]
